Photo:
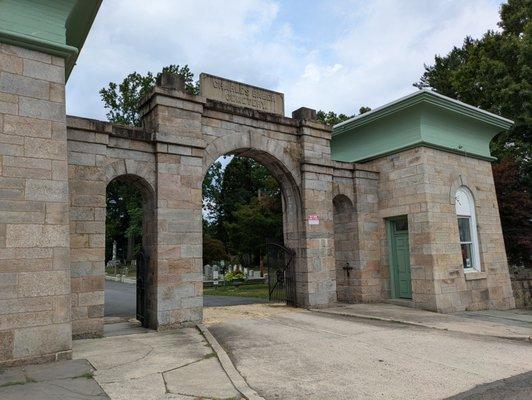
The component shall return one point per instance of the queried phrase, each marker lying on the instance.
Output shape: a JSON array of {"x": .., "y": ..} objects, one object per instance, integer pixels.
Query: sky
[{"x": 330, "y": 54}]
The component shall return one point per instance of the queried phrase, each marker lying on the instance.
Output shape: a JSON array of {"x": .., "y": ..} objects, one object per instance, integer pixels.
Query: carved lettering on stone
[{"x": 240, "y": 94}]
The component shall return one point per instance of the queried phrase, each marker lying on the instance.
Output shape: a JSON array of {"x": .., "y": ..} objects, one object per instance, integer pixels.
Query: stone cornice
[
  {"x": 424, "y": 144},
  {"x": 38, "y": 44}
]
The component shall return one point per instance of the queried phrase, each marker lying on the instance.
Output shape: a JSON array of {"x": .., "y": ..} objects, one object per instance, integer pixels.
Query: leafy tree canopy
[
  {"x": 123, "y": 218},
  {"x": 123, "y": 99},
  {"x": 213, "y": 250},
  {"x": 243, "y": 206},
  {"x": 331, "y": 118}
]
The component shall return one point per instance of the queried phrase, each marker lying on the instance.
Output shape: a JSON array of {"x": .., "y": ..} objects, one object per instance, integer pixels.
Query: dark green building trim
[{"x": 57, "y": 27}]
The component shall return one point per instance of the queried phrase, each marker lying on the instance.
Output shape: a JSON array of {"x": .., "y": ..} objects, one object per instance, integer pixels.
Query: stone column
[
  {"x": 174, "y": 120},
  {"x": 368, "y": 287},
  {"x": 316, "y": 282},
  {"x": 34, "y": 225},
  {"x": 87, "y": 149}
]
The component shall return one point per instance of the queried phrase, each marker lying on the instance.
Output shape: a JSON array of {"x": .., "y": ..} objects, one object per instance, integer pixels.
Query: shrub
[{"x": 234, "y": 276}]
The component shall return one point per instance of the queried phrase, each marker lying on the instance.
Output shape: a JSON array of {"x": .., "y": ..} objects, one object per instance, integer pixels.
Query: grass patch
[
  {"x": 258, "y": 290},
  {"x": 210, "y": 355},
  {"x": 86, "y": 375}
]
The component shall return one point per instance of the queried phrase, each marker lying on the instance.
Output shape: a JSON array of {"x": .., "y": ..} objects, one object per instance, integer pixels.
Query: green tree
[
  {"x": 331, "y": 118},
  {"x": 212, "y": 190},
  {"x": 243, "y": 199},
  {"x": 123, "y": 99},
  {"x": 253, "y": 224},
  {"x": 213, "y": 250},
  {"x": 494, "y": 73},
  {"x": 123, "y": 222},
  {"x": 515, "y": 217}
]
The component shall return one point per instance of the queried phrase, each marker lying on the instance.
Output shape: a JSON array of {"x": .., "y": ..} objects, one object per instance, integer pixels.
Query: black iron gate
[
  {"x": 142, "y": 288},
  {"x": 280, "y": 262}
]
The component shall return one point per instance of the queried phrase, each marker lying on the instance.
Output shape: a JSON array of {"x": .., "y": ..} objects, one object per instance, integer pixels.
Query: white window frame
[{"x": 468, "y": 211}]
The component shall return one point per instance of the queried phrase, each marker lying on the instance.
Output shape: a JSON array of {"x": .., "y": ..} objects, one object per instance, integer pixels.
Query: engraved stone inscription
[{"x": 240, "y": 94}]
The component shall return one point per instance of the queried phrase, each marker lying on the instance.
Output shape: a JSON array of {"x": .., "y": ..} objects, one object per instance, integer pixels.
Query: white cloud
[
  {"x": 374, "y": 58},
  {"x": 210, "y": 36},
  {"x": 382, "y": 53}
]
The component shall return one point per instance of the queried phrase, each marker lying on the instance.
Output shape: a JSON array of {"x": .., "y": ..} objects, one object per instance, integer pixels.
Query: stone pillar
[
  {"x": 87, "y": 148},
  {"x": 34, "y": 224},
  {"x": 316, "y": 282},
  {"x": 368, "y": 287},
  {"x": 174, "y": 120}
]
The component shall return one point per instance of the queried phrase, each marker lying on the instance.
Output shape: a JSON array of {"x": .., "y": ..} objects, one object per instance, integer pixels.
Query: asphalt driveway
[
  {"x": 120, "y": 300},
  {"x": 288, "y": 353}
]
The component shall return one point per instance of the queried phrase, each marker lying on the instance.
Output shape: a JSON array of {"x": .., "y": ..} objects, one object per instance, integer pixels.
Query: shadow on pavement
[{"x": 517, "y": 387}]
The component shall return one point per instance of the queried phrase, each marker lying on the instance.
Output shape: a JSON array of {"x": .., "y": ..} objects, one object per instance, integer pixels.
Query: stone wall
[
  {"x": 522, "y": 286},
  {"x": 34, "y": 226},
  {"x": 421, "y": 183},
  {"x": 356, "y": 234},
  {"x": 345, "y": 246},
  {"x": 182, "y": 136},
  {"x": 99, "y": 152}
]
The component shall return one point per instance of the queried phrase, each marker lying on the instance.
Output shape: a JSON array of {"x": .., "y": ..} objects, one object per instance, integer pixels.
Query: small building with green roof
[{"x": 434, "y": 231}]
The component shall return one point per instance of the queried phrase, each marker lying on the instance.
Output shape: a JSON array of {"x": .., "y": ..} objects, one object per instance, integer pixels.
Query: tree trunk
[{"x": 130, "y": 247}]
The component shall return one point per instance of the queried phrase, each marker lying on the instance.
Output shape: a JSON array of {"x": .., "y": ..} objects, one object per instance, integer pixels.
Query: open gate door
[
  {"x": 142, "y": 288},
  {"x": 280, "y": 261}
]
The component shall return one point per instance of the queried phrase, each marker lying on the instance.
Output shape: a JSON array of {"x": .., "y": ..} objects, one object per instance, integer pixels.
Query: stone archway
[
  {"x": 182, "y": 135},
  {"x": 146, "y": 305},
  {"x": 190, "y": 133},
  {"x": 290, "y": 192}
]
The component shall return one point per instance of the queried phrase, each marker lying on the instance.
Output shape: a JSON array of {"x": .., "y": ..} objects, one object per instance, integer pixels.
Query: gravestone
[{"x": 207, "y": 272}]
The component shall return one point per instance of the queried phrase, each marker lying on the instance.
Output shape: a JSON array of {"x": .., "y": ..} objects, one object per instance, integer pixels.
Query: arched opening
[
  {"x": 259, "y": 231},
  {"x": 345, "y": 243},
  {"x": 129, "y": 241}
]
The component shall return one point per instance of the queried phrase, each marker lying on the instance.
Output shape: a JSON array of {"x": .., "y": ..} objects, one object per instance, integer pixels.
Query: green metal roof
[
  {"x": 423, "y": 118},
  {"x": 57, "y": 27}
]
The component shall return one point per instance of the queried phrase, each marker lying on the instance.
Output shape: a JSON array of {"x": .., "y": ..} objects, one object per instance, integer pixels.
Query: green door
[{"x": 400, "y": 258}]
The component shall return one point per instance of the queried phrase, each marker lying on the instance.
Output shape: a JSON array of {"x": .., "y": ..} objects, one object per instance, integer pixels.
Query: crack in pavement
[
  {"x": 154, "y": 373},
  {"x": 83, "y": 395},
  {"x": 151, "y": 350},
  {"x": 174, "y": 369}
]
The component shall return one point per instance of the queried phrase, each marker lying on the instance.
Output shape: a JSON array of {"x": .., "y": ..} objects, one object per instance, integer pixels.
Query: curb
[
  {"x": 520, "y": 338},
  {"x": 120, "y": 278},
  {"x": 234, "y": 376}
]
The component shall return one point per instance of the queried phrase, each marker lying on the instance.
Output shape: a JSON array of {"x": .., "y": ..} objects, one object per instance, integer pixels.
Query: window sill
[{"x": 474, "y": 275}]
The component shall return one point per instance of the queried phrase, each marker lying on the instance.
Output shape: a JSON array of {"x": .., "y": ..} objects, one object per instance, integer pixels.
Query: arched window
[{"x": 467, "y": 227}]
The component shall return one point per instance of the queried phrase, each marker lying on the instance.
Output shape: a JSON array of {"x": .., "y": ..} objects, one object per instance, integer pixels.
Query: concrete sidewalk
[
  {"x": 151, "y": 365},
  {"x": 64, "y": 380},
  {"x": 509, "y": 324},
  {"x": 130, "y": 363}
]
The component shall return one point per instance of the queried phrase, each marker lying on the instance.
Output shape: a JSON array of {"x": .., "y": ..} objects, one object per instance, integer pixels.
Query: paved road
[
  {"x": 120, "y": 300},
  {"x": 298, "y": 354}
]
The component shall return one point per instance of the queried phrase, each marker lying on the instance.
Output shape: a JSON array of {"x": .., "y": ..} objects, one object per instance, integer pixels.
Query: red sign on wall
[{"x": 313, "y": 219}]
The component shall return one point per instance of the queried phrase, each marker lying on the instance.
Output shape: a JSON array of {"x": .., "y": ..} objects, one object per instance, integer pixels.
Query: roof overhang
[
  {"x": 421, "y": 118},
  {"x": 57, "y": 28}
]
